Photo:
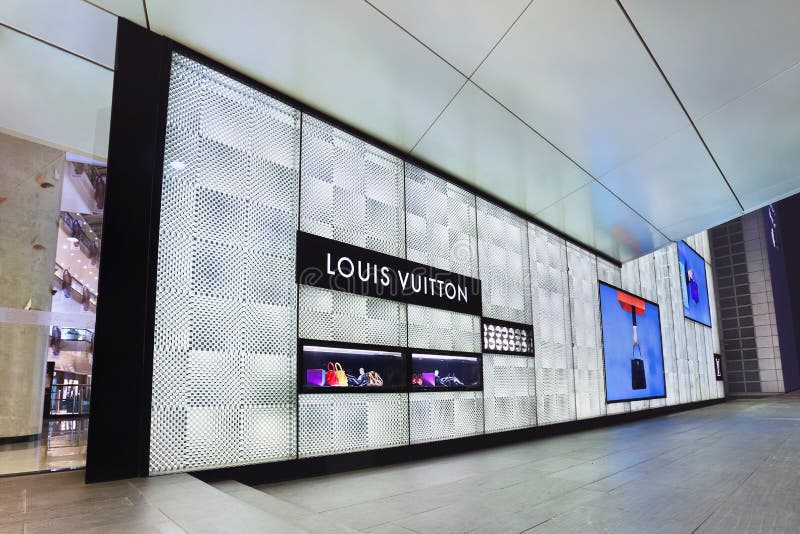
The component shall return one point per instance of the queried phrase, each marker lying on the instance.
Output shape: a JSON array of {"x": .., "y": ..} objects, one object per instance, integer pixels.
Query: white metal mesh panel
[
  {"x": 503, "y": 260},
  {"x": 438, "y": 415},
  {"x": 509, "y": 392},
  {"x": 441, "y": 227},
  {"x": 338, "y": 316},
  {"x": 430, "y": 328},
  {"x": 552, "y": 336},
  {"x": 609, "y": 273},
  {"x": 223, "y": 366},
  {"x": 630, "y": 277},
  {"x": 665, "y": 298},
  {"x": 590, "y": 396},
  {"x": 339, "y": 423},
  {"x": 351, "y": 191}
]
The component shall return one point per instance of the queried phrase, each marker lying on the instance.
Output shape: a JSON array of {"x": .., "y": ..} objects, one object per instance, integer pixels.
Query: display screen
[
  {"x": 634, "y": 361},
  {"x": 445, "y": 371},
  {"x": 693, "y": 282},
  {"x": 341, "y": 369}
]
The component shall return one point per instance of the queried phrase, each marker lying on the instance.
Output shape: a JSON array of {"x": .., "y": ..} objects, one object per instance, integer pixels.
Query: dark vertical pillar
[
  {"x": 783, "y": 251},
  {"x": 122, "y": 369}
]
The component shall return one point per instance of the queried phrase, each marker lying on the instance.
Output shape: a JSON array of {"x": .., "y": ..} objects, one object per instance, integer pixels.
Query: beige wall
[{"x": 28, "y": 237}]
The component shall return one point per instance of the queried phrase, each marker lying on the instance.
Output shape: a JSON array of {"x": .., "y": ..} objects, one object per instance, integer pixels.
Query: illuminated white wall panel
[
  {"x": 590, "y": 396},
  {"x": 509, "y": 392},
  {"x": 552, "y": 330},
  {"x": 243, "y": 172},
  {"x": 225, "y": 349}
]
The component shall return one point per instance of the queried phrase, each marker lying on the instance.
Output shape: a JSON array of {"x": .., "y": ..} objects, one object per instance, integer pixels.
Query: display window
[
  {"x": 438, "y": 371},
  {"x": 338, "y": 368}
]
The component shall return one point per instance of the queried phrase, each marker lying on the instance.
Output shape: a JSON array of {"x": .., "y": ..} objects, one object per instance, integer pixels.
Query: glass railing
[{"x": 70, "y": 399}]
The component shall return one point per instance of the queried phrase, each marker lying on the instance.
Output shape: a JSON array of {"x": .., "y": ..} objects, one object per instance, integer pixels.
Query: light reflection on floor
[{"x": 62, "y": 445}]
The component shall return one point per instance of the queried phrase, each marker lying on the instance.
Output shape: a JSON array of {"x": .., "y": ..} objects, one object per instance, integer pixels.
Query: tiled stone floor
[
  {"x": 62, "y": 446},
  {"x": 733, "y": 467}
]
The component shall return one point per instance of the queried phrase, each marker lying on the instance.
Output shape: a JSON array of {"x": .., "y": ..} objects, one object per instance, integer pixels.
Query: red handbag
[{"x": 330, "y": 375}]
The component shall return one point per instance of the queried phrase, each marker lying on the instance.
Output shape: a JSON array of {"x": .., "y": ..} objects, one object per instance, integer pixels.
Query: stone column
[{"x": 30, "y": 197}]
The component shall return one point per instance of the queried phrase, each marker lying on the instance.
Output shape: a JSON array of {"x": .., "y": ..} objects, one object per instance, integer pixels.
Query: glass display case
[
  {"x": 436, "y": 371},
  {"x": 332, "y": 367}
]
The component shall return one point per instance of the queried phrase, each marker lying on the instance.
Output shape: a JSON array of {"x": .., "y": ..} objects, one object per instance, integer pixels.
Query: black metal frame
[
  {"x": 510, "y": 324},
  {"x": 303, "y": 389},
  {"x": 603, "y": 346},
  {"x": 119, "y": 433},
  {"x": 708, "y": 300}
]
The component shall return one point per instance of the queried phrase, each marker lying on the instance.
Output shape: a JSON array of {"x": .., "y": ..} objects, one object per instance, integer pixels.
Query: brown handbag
[{"x": 374, "y": 379}]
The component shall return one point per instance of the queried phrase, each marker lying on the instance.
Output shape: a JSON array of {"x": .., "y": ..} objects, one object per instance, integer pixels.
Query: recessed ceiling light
[
  {"x": 72, "y": 239},
  {"x": 178, "y": 165}
]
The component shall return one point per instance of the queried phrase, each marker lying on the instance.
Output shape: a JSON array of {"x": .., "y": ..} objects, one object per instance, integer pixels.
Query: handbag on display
[
  {"x": 341, "y": 377},
  {"x": 330, "y": 375},
  {"x": 315, "y": 377},
  {"x": 429, "y": 379},
  {"x": 638, "y": 380},
  {"x": 693, "y": 291},
  {"x": 374, "y": 379}
]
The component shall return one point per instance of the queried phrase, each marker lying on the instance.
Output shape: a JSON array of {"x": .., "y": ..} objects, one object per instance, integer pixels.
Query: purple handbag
[
  {"x": 315, "y": 377},
  {"x": 429, "y": 379}
]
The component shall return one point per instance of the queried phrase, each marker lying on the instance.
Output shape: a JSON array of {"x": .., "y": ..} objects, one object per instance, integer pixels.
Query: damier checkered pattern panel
[
  {"x": 331, "y": 315},
  {"x": 590, "y": 397},
  {"x": 223, "y": 364},
  {"x": 339, "y": 423},
  {"x": 552, "y": 334},
  {"x": 509, "y": 392},
  {"x": 351, "y": 191},
  {"x": 609, "y": 273},
  {"x": 439, "y": 415},
  {"x": 431, "y": 328},
  {"x": 503, "y": 261},
  {"x": 441, "y": 225}
]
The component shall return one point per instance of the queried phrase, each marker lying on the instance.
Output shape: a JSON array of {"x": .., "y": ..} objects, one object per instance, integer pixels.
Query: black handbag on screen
[{"x": 638, "y": 380}]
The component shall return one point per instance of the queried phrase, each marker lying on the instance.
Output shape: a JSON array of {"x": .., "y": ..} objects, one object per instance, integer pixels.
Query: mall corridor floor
[{"x": 732, "y": 467}]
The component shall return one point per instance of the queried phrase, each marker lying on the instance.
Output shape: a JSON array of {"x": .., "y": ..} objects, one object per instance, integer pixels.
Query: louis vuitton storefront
[{"x": 295, "y": 296}]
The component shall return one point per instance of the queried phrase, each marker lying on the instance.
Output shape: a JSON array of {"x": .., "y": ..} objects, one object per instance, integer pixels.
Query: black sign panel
[
  {"x": 718, "y": 367},
  {"x": 330, "y": 264},
  {"x": 506, "y": 337}
]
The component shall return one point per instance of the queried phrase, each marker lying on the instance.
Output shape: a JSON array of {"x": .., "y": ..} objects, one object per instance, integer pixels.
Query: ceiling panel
[
  {"x": 132, "y": 10},
  {"x": 481, "y": 142},
  {"x": 716, "y": 50},
  {"x": 53, "y": 97},
  {"x": 73, "y": 25},
  {"x": 674, "y": 184},
  {"x": 342, "y": 57},
  {"x": 462, "y": 33},
  {"x": 755, "y": 140},
  {"x": 576, "y": 72},
  {"x": 596, "y": 218}
]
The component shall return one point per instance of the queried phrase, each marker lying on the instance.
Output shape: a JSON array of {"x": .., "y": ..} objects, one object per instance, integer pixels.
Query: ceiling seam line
[
  {"x": 436, "y": 119},
  {"x": 57, "y": 47},
  {"x": 417, "y": 39},
  {"x": 531, "y": 128},
  {"x": 146, "y": 15},
  {"x": 680, "y": 102},
  {"x": 500, "y": 40},
  {"x": 101, "y": 8}
]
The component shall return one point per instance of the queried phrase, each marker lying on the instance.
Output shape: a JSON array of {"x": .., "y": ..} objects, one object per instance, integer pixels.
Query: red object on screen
[{"x": 630, "y": 303}]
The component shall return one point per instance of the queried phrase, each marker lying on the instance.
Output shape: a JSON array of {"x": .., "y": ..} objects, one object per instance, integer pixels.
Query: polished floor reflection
[
  {"x": 62, "y": 445},
  {"x": 732, "y": 467}
]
